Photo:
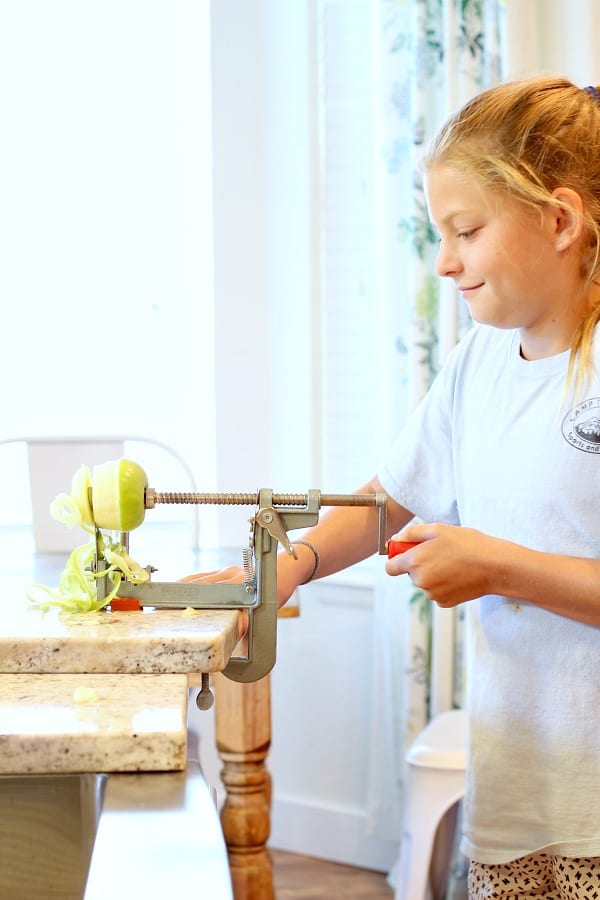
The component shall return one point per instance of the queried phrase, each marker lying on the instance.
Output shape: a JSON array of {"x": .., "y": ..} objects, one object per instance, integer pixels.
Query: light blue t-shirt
[{"x": 493, "y": 447}]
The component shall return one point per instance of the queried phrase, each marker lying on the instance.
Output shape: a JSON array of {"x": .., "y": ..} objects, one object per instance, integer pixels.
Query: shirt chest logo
[{"x": 581, "y": 426}]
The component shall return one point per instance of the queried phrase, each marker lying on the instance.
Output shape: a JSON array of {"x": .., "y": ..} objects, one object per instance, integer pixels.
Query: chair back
[{"x": 52, "y": 464}]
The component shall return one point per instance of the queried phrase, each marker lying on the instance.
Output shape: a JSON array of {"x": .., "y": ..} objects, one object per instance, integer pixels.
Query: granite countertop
[
  {"x": 104, "y": 691},
  {"x": 99, "y": 692},
  {"x": 92, "y": 723},
  {"x": 150, "y": 641}
]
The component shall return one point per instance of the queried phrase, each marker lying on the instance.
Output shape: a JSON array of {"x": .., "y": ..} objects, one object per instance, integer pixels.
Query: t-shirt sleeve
[{"x": 418, "y": 471}]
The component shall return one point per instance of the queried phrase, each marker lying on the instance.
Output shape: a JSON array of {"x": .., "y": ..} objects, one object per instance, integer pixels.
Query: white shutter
[{"x": 349, "y": 342}]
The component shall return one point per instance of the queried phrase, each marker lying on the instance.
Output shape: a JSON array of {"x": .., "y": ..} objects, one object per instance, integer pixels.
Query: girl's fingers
[{"x": 232, "y": 574}]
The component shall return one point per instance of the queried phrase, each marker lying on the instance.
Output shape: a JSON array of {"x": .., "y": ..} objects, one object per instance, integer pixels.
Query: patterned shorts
[{"x": 540, "y": 875}]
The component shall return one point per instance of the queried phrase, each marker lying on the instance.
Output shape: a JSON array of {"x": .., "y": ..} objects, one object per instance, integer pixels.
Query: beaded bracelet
[{"x": 317, "y": 559}]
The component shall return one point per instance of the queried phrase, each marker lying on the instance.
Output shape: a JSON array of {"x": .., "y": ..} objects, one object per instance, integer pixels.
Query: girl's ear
[{"x": 567, "y": 217}]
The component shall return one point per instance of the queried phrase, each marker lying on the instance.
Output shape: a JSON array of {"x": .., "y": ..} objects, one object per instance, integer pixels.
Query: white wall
[
  {"x": 264, "y": 265},
  {"x": 322, "y": 704},
  {"x": 321, "y": 707},
  {"x": 554, "y": 36}
]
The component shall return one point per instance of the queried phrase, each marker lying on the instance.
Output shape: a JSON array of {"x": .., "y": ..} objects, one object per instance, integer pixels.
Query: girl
[{"x": 503, "y": 459}]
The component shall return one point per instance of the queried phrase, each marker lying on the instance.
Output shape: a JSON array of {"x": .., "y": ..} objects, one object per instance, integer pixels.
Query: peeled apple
[
  {"x": 80, "y": 492},
  {"x": 118, "y": 495},
  {"x": 112, "y": 498}
]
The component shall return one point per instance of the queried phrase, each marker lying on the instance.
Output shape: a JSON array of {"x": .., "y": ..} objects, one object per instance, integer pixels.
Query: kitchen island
[{"x": 108, "y": 691}]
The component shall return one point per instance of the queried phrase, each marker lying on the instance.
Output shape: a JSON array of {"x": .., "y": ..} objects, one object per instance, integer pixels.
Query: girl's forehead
[
  {"x": 447, "y": 181},
  {"x": 451, "y": 192}
]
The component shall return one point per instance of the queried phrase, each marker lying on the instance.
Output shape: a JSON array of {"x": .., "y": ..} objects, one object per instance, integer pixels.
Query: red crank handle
[{"x": 394, "y": 548}]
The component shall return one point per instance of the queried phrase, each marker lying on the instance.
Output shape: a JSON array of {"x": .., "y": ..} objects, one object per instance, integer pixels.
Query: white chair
[
  {"x": 435, "y": 783},
  {"x": 52, "y": 462}
]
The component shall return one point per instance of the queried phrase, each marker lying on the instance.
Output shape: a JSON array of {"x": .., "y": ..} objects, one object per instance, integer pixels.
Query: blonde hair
[{"x": 527, "y": 138}]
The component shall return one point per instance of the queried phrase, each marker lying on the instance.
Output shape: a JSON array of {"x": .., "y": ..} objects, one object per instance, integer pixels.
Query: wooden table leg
[{"x": 243, "y": 736}]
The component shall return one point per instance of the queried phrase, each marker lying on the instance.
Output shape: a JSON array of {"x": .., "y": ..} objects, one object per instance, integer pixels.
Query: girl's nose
[{"x": 447, "y": 264}]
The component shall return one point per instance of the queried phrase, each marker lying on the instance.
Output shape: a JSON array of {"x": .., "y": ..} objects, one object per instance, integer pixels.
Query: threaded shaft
[{"x": 251, "y": 499}]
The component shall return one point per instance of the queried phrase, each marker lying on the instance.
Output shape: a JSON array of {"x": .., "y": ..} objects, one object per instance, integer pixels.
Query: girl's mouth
[{"x": 468, "y": 292}]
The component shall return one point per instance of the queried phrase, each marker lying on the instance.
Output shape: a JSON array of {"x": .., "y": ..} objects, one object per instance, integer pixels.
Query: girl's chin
[
  {"x": 491, "y": 317},
  {"x": 478, "y": 315}
]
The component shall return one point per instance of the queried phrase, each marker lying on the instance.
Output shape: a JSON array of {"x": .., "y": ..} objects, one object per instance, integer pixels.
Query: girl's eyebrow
[{"x": 454, "y": 214}]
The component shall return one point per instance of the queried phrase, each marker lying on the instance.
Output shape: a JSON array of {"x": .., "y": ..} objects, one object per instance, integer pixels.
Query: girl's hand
[
  {"x": 229, "y": 575},
  {"x": 235, "y": 575},
  {"x": 451, "y": 564}
]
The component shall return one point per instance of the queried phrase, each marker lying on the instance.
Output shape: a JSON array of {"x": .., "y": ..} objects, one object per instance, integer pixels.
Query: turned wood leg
[{"x": 243, "y": 736}]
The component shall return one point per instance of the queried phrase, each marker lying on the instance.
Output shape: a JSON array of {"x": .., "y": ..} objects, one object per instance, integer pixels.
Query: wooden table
[{"x": 243, "y": 719}]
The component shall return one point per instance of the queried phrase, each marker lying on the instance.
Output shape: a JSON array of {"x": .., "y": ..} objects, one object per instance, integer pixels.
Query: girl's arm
[
  {"x": 454, "y": 564},
  {"x": 343, "y": 536}
]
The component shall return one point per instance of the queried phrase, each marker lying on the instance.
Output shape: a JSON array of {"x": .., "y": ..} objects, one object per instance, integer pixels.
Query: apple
[{"x": 118, "y": 495}]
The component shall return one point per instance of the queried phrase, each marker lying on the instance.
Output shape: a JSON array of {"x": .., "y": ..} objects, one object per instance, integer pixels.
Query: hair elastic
[{"x": 593, "y": 91}]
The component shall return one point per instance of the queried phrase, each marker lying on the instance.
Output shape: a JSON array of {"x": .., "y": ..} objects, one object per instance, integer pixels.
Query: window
[{"x": 105, "y": 223}]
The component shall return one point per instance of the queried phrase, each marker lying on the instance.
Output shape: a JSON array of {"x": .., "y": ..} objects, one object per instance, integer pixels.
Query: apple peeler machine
[{"x": 274, "y": 516}]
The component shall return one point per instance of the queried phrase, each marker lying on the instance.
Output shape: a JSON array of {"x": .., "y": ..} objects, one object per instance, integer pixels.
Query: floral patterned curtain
[{"x": 433, "y": 55}]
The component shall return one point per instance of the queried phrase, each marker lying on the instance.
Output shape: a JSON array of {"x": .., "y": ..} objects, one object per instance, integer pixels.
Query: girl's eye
[{"x": 465, "y": 235}]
